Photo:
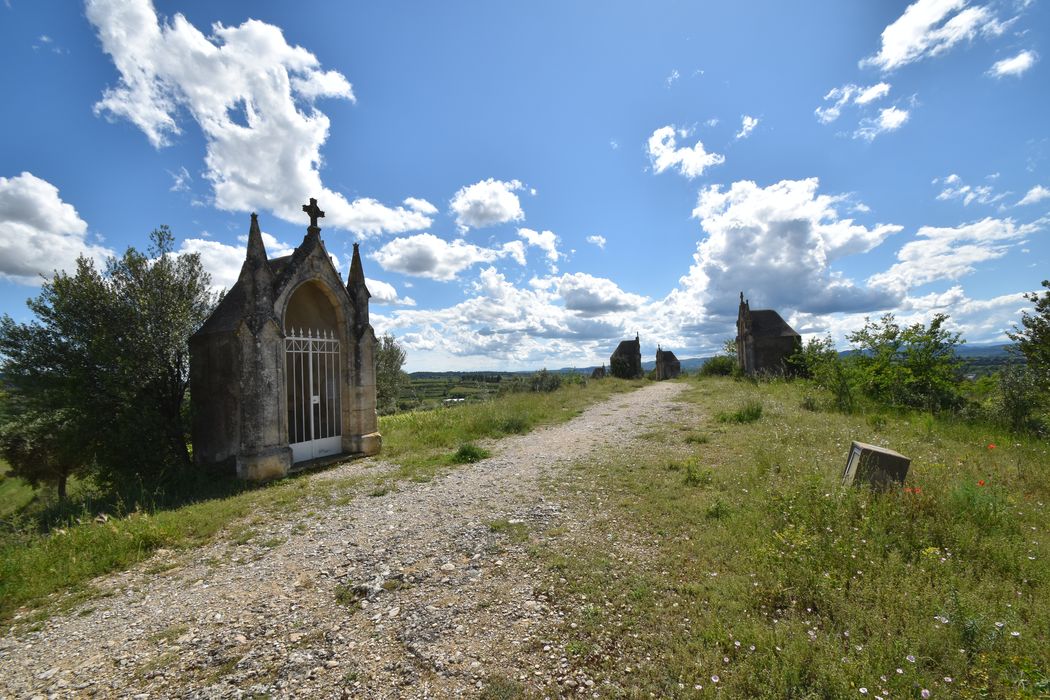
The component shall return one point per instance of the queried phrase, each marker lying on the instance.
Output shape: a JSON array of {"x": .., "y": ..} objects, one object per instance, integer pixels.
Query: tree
[
  {"x": 913, "y": 366},
  {"x": 390, "y": 357},
  {"x": 1033, "y": 338},
  {"x": 107, "y": 360}
]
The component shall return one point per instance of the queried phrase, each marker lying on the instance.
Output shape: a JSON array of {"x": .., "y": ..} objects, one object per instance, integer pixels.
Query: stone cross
[{"x": 314, "y": 212}]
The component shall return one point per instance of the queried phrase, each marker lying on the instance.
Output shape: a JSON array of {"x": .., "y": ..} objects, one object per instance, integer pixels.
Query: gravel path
[{"x": 409, "y": 594}]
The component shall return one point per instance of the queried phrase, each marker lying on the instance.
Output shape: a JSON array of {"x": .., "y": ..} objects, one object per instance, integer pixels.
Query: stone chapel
[
  {"x": 282, "y": 374},
  {"x": 764, "y": 340}
]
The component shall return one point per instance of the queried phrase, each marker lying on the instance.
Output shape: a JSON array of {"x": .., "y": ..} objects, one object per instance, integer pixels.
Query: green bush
[
  {"x": 748, "y": 413},
  {"x": 718, "y": 366},
  {"x": 468, "y": 453}
]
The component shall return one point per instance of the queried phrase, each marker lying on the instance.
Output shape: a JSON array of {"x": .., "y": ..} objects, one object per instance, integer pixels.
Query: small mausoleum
[
  {"x": 626, "y": 360},
  {"x": 764, "y": 340},
  {"x": 283, "y": 372},
  {"x": 667, "y": 365}
]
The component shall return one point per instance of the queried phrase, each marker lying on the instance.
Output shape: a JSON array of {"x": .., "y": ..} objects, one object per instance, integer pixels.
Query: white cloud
[
  {"x": 180, "y": 180},
  {"x": 421, "y": 206},
  {"x": 672, "y": 78},
  {"x": 40, "y": 233},
  {"x": 841, "y": 96},
  {"x": 223, "y": 262},
  {"x": 590, "y": 296},
  {"x": 954, "y": 188},
  {"x": 252, "y": 95},
  {"x": 1013, "y": 66},
  {"x": 384, "y": 293},
  {"x": 872, "y": 93},
  {"x": 487, "y": 203},
  {"x": 597, "y": 240},
  {"x": 691, "y": 162},
  {"x": 889, "y": 119},
  {"x": 1034, "y": 195},
  {"x": 614, "y": 144},
  {"x": 747, "y": 125},
  {"x": 939, "y": 253},
  {"x": 777, "y": 244},
  {"x": 516, "y": 250},
  {"x": 928, "y": 28},
  {"x": 426, "y": 255},
  {"x": 544, "y": 240}
]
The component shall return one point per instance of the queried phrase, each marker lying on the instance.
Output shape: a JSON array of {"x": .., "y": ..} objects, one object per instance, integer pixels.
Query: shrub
[
  {"x": 1019, "y": 398},
  {"x": 718, "y": 366},
  {"x": 749, "y": 413},
  {"x": 468, "y": 453},
  {"x": 544, "y": 381}
]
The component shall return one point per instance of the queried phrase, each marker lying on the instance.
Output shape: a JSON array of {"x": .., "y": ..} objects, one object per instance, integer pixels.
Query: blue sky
[{"x": 533, "y": 183}]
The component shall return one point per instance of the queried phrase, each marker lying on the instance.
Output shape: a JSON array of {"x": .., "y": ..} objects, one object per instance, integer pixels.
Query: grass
[
  {"x": 781, "y": 583},
  {"x": 49, "y": 565}
]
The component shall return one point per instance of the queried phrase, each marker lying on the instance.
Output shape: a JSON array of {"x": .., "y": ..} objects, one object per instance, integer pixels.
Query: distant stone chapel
[
  {"x": 764, "y": 340},
  {"x": 667, "y": 365},
  {"x": 626, "y": 360},
  {"x": 283, "y": 371}
]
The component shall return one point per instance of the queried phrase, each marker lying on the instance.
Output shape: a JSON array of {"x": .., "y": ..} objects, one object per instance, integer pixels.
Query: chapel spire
[
  {"x": 355, "y": 285},
  {"x": 256, "y": 249}
]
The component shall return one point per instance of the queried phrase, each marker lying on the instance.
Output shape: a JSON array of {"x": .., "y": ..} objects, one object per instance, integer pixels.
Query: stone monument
[{"x": 282, "y": 374}]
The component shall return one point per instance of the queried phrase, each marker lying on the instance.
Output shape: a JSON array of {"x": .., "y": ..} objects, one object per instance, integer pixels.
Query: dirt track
[{"x": 449, "y": 602}]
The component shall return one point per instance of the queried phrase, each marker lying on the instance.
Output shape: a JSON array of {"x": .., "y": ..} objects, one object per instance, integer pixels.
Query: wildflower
[
  {"x": 736, "y": 644},
  {"x": 910, "y": 658},
  {"x": 991, "y": 446},
  {"x": 1015, "y": 634},
  {"x": 751, "y": 648},
  {"x": 863, "y": 691},
  {"x": 725, "y": 659},
  {"x": 714, "y": 679},
  {"x": 947, "y": 679},
  {"x": 925, "y": 693},
  {"x": 998, "y": 625},
  {"x": 900, "y": 670}
]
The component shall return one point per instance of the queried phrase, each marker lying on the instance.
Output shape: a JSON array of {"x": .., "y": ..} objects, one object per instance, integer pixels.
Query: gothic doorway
[{"x": 312, "y": 375}]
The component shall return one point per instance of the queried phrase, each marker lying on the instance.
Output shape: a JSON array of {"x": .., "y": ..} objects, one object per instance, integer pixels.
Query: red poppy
[
  {"x": 991, "y": 446},
  {"x": 980, "y": 482}
]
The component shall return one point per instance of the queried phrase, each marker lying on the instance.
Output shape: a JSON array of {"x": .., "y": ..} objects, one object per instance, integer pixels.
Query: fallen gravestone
[{"x": 877, "y": 467}]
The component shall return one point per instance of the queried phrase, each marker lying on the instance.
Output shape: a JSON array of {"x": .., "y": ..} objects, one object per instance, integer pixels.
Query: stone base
[
  {"x": 273, "y": 463},
  {"x": 363, "y": 445}
]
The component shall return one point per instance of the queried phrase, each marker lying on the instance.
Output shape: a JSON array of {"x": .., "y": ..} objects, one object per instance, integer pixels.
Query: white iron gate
[{"x": 312, "y": 380}]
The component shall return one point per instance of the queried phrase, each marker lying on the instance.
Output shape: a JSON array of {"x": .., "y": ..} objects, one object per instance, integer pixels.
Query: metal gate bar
[{"x": 312, "y": 378}]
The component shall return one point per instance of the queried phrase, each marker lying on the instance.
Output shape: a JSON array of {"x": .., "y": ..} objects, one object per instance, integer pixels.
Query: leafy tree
[
  {"x": 107, "y": 361},
  {"x": 718, "y": 366},
  {"x": 913, "y": 366},
  {"x": 1033, "y": 338},
  {"x": 390, "y": 379},
  {"x": 818, "y": 360}
]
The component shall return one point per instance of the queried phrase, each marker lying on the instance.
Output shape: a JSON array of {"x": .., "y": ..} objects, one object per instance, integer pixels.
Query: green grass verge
[
  {"x": 742, "y": 568},
  {"x": 35, "y": 567}
]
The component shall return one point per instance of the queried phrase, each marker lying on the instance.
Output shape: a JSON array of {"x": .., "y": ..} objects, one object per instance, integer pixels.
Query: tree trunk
[{"x": 62, "y": 478}]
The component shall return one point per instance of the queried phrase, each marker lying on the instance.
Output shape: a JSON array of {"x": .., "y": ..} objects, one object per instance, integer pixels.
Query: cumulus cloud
[
  {"x": 487, "y": 203},
  {"x": 778, "y": 243},
  {"x": 597, "y": 240},
  {"x": 889, "y": 119},
  {"x": 841, "y": 96},
  {"x": 40, "y": 233},
  {"x": 689, "y": 161},
  {"x": 594, "y": 296},
  {"x": 747, "y": 125},
  {"x": 940, "y": 253},
  {"x": 545, "y": 241},
  {"x": 504, "y": 326},
  {"x": 223, "y": 262},
  {"x": 426, "y": 255},
  {"x": 252, "y": 95},
  {"x": 928, "y": 28},
  {"x": 1034, "y": 195},
  {"x": 384, "y": 293},
  {"x": 953, "y": 187},
  {"x": 1013, "y": 66}
]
